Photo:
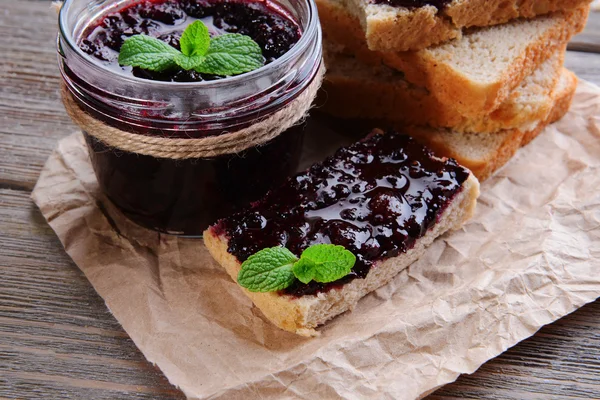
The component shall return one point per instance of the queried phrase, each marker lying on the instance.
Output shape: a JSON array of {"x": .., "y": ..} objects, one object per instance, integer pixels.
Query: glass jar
[{"x": 184, "y": 196}]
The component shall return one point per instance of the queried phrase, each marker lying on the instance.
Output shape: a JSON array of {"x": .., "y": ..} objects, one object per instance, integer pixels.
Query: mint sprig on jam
[
  {"x": 276, "y": 268},
  {"x": 228, "y": 54},
  {"x": 324, "y": 263},
  {"x": 268, "y": 270}
]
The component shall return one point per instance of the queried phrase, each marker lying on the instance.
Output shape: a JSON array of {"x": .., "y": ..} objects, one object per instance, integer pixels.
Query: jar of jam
[{"x": 177, "y": 150}]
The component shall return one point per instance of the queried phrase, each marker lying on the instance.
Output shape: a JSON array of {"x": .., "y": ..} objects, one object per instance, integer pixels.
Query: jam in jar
[{"x": 184, "y": 195}]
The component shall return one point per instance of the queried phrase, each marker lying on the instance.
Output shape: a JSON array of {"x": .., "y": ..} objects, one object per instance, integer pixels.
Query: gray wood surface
[
  {"x": 589, "y": 40},
  {"x": 57, "y": 338}
]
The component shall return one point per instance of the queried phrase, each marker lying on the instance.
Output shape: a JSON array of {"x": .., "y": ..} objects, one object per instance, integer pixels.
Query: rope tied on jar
[{"x": 258, "y": 133}]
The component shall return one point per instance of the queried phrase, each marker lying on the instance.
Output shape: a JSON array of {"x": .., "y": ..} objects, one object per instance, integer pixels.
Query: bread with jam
[
  {"x": 474, "y": 74},
  {"x": 385, "y": 199},
  {"x": 409, "y": 25}
]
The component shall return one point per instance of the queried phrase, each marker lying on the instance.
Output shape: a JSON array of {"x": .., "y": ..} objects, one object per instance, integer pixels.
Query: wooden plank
[
  {"x": 31, "y": 114},
  {"x": 57, "y": 339},
  {"x": 585, "y": 65},
  {"x": 589, "y": 39}
]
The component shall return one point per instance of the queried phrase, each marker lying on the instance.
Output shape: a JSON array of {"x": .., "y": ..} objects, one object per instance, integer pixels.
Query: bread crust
[
  {"x": 301, "y": 315},
  {"x": 391, "y": 30},
  {"x": 394, "y": 99},
  {"x": 563, "y": 99},
  {"x": 449, "y": 84},
  {"x": 469, "y": 13},
  {"x": 283, "y": 311},
  {"x": 435, "y": 72},
  {"x": 505, "y": 144},
  {"x": 387, "y": 28},
  {"x": 352, "y": 89}
]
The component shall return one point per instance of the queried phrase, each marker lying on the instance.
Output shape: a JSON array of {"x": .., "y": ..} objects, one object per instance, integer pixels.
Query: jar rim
[{"x": 305, "y": 41}]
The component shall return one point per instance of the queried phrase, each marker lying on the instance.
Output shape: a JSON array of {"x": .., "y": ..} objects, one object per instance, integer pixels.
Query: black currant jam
[
  {"x": 266, "y": 24},
  {"x": 182, "y": 195},
  {"x": 375, "y": 197},
  {"x": 186, "y": 196},
  {"x": 439, "y": 4}
]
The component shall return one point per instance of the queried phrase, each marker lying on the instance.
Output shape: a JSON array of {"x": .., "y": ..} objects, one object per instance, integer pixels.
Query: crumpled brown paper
[{"x": 530, "y": 256}]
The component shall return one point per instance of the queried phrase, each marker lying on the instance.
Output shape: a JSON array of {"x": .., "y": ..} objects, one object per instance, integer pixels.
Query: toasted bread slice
[
  {"x": 387, "y": 27},
  {"x": 474, "y": 74},
  {"x": 306, "y": 218},
  {"x": 484, "y": 153},
  {"x": 353, "y": 89}
]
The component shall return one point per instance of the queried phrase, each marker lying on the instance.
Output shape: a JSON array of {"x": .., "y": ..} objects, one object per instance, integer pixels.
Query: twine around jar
[{"x": 256, "y": 134}]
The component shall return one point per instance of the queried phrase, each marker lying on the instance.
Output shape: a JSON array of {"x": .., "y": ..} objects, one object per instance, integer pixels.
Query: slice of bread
[
  {"x": 473, "y": 74},
  {"x": 353, "y": 89},
  {"x": 302, "y": 314},
  {"x": 390, "y": 28},
  {"x": 484, "y": 153}
]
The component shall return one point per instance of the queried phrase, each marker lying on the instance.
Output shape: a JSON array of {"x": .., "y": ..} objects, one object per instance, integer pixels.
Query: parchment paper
[{"x": 530, "y": 256}]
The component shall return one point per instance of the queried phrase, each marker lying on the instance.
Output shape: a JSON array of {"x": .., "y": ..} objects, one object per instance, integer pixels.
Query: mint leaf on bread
[
  {"x": 324, "y": 263},
  {"x": 268, "y": 270},
  {"x": 276, "y": 268}
]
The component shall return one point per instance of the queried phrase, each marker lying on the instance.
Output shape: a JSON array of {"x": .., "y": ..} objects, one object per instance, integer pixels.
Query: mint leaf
[
  {"x": 187, "y": 62},
  {"x": 304, "y": 270},
  {"x": 148, "y": 53},
  {"x": 231, "y": 54},
  {"x": 276, "y": 268},
  {"x": 268, "y": 270},
  {"x": 324, "y": 263},
  {"x": 195, "y": 40}
]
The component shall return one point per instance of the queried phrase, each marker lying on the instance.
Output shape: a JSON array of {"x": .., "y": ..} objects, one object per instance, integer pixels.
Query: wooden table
[{"x": 57, "y": 338}]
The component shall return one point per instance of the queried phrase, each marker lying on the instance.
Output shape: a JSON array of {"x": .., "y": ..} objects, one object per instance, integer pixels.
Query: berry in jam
[
  {"x": 268, "y": 25},
  {"x": 375, "y": 198}
]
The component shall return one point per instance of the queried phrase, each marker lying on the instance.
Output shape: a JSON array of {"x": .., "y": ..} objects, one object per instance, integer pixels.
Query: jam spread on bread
[
  {"x": 439, "y": 4},
  {"x": 267, "y": 25},
  {"x": 375, "y": 198}
]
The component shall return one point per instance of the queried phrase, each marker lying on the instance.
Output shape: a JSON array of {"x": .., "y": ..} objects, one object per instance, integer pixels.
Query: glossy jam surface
[
  {"x": 265, "y": 23},
  {"x": 375, "y": 197},
  {"x": 439, "y": 4},
  {"x": 186, "y": 196}
]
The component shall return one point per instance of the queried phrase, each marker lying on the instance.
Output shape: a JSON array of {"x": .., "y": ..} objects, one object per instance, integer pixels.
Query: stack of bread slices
[{"x": 473, "y": 79}]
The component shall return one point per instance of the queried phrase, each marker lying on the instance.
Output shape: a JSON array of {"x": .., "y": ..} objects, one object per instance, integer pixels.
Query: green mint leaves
[
  {"x": 324, "y": 263},
  {"x": 148, "y": 53},
  {"x": 276, "y": 268},
  {"x": 268, "y": 270},
  {"x": 195, "y": 40},
  {"x": 228, "y": 54}
]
